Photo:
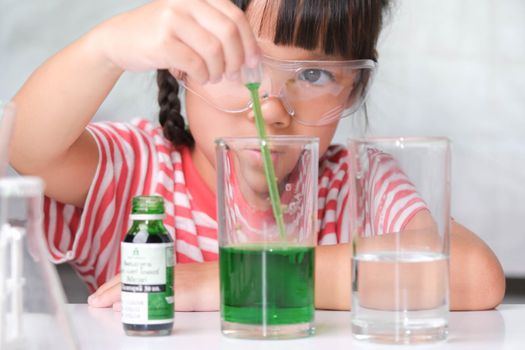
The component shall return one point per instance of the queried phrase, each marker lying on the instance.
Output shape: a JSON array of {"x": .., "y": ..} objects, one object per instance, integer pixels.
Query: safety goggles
[{"x": 312, "y": 92}]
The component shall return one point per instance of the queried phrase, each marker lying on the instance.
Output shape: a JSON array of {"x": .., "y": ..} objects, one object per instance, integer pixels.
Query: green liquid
[{"x": 273, "y": 285}]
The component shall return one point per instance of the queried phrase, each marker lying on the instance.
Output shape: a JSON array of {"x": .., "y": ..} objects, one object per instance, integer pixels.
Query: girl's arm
[
  {"x": 205, "y": 40},
  {"x": 196, "y": 288},
  {"x": 477, "y": 281},
  {"x": 53, "y": 108},
  {"x": 476, "y": 278}
]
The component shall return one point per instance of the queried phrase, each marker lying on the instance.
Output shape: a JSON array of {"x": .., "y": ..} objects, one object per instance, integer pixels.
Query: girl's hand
[
  {"x": 203, "y": 38},
  {"x": 196, "y": 289},
  {"x": 107, "y": 295}
]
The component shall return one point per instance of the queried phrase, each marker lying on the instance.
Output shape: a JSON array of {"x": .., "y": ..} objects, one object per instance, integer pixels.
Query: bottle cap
[{"x": 147, "y": 205}]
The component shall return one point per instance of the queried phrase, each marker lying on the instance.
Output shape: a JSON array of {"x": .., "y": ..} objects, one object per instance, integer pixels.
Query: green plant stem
[{"x": 269, "y": 171}]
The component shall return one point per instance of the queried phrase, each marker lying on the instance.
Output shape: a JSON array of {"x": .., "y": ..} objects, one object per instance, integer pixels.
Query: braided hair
[{"x": 172, "y": 122}]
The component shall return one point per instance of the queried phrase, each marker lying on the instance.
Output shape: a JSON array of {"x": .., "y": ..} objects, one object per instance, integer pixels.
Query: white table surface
[{"x": 503, "y": 328}]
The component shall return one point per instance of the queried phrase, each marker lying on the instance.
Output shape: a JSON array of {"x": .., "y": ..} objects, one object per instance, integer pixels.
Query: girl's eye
[{"x": 316, "y": 76}]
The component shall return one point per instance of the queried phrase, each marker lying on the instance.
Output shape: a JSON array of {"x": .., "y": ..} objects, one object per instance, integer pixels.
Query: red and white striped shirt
[{"x": 136, "y": 159}]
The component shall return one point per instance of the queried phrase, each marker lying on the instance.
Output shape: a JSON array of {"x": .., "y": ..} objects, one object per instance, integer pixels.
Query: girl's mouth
[{"x": 257, "y": 155}]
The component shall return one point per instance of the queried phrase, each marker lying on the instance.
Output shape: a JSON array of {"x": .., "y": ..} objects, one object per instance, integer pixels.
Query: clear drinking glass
[
  {"x": 267, "y": 276},
  {"x": 33, "y": 313},
  {"x": 400, "y": 222},
  {"x": 7, "y": 117}
]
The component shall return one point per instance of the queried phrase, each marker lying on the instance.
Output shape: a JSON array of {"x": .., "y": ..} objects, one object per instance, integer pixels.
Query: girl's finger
[
  {"x": 180, "y": 57},
  {"x": 113, "y": 281},
  {"x": 106, "y": 298},
  {"x": 204, "y": 43},
  {"x": 251, "y": 49},
  {"x": 117, "y": 306},
  {"x": 226, "y": 30}
]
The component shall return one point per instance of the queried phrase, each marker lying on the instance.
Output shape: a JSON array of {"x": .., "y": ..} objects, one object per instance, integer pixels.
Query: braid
[{"x": 170, "y": 119}]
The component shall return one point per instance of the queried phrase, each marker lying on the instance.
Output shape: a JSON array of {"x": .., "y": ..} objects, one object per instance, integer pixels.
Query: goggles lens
[{"x": 312, "y": 92}]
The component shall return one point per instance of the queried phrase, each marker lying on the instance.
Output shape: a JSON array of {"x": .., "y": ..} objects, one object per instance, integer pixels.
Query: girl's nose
[{"x": 274, "y": 113}]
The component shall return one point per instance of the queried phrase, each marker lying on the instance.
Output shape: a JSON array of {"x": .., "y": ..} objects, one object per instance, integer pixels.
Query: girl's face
[{"x": 208, "y": 123}]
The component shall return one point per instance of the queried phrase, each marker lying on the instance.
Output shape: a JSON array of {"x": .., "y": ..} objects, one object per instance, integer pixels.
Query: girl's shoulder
[
  {"x": 334, "y": 160},
  {"x": 144, "y": 127},
  {"x": 137, "y": 136},
  {"x": 335, "y": 154}
]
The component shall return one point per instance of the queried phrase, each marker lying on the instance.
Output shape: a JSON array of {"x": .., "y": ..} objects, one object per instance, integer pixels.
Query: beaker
[
  {"x": 33, "y": 313},
  {"x": 267, "y": 274}
]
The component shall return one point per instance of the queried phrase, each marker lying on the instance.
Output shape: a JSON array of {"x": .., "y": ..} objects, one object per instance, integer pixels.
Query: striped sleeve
[
  {"x": 332, "y": 196},
  {"x": 393, "y": 199},
  {"x": 90, "y": 238}
]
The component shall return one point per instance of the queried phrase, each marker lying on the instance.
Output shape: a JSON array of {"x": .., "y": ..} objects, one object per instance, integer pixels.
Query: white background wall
[{"x": 448, "y": 67}]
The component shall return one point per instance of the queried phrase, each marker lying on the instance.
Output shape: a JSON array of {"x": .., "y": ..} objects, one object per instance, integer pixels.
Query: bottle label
[{"x": 147, "y": 283}]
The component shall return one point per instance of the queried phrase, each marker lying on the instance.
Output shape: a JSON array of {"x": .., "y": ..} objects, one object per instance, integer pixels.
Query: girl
[{"x": 93, "y": 170}]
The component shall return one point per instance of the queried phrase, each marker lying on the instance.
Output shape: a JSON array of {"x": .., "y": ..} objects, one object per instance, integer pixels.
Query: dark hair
[
  {"x": 345, "y": 28},
  {"x": 172, "y": 122}
]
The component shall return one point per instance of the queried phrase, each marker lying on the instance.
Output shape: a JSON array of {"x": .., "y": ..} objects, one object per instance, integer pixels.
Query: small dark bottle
[{"x": 147, "y": 271}]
